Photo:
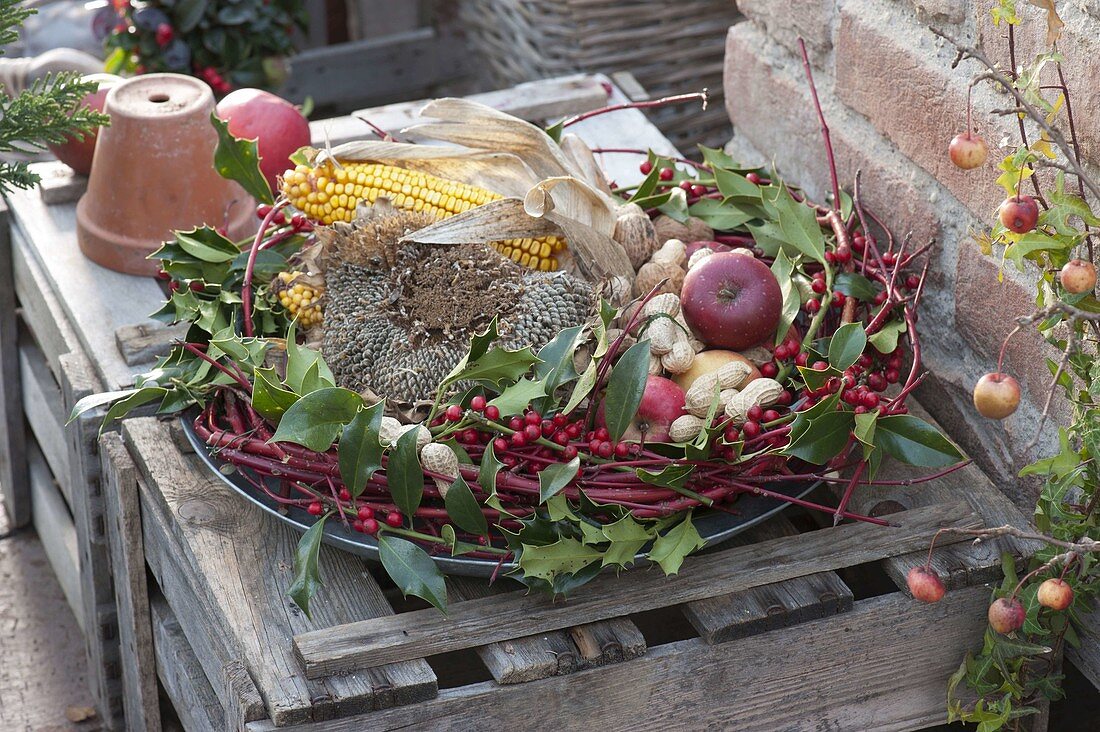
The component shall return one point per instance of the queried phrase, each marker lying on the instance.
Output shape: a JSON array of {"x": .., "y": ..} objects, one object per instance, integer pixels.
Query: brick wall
[{"x": 893, "y": 103}]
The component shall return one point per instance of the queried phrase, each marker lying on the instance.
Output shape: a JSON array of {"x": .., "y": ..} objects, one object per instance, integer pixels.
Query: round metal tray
[{"x": 713, "y": 526}]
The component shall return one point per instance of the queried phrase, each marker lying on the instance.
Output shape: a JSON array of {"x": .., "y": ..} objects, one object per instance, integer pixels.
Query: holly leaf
[
  {"x": 564, "y": 556},
  {"x": 208, "y": 245},
  {"x": 846, "y": 345},
  {"x": 554, "y": 477},
  {"x": 122, "y": 407},
  {"x": 672, "y": 476},
  {"x": 625, "y": 388},
  {"x": 515, "y": 398},
  {"x": 412, "y": 570},
  {"x": 404, "y": 476},
  {"x": 497, "y": 366},
  {"x": 555, "y": 366},
  {"x": 307, "y": 573},
  {"x": 306, "y": 370},
  {"x": 670, "y": 549},
  {"x": 239, "y": 160},
  {"x": 865, "y": 431},
  {"x": 885, "y": 340},
  {"x": 824, "y": 439},
  {"x": 479, "y": 346},
  {"x": 463, "y": 508},
  {"x": 798, "y": 222},
  {"x": 914, "y": 441},
  {"x": 269, "y": 398},
  {"x": 736, "y": 187},
  {"x": 722, "y": 216},
  {"x": 855, "y": 285},
  {"x": 457, "y": 547},
  {"x": 582, "y": 388},
  {"x": 783, "y": 269},
  {"x": 316, "y": 419},
  {"x": 360, "y": 453}
]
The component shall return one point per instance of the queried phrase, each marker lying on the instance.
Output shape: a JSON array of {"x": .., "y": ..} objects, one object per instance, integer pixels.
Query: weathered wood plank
[
  {"x": 145, "y": 342},
  {"x": 97, "y": 301},
  {"x": 182, "y": 676},
  {"x": 750, "y": 684},
  {"x": 87, "y": 504},
  {"x": 135, "y": 634},
  {"x": 1087, "y": 657},
  {"x": 39, "y": 307},
  {"x": 45, "y": 411},
  {"x": 237, "y": 563},
  {"x": 725, "y": 618},
  {"x": 420, "y": 633},
  {"x": 55, "y": 529},
  {"x": 14, "y": 479},
  {"x": 533, "y": 101},
  {"x": 961, "y": 565}
]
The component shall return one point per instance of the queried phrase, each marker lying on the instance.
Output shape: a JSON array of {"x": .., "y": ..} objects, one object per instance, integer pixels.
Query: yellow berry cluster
[{"x": 302, "y": 301}]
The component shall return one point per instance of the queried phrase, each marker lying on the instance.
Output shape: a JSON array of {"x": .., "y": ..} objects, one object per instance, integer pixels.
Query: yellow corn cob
[
  {"x": 327, "y": 193},
  {"x": 301, "y": 300}
]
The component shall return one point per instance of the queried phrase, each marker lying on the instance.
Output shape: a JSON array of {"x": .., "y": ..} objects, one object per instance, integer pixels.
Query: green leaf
[
  {"x": 121, "y": 408},
  {"x": 564, "y": 556},
  {"x": 238, "y": 160},
  {"x": 447, "y": 533},
  {"x": 625, "y": 388},
  {"x": 673, "y": 476},
  {"x": 824, "y": 439},
  {"x": 865, "y": 431},
  {"x": 316, "y": 419},
  {"x": 98, "y": 400},
  {"x": 463, "y": 508},
  {"x": 269, "y": 398},
  {"x": 404, "y": 475},
  {"x": 914, "y": 441},
  {"x": 515, "y": 398},
  {"x": 886, "y": 339},
  {"x": 736, "y": 186},
  {"x": 721, "y": 216},
  {"x": 628, "y": 529},
  {"x": 798, "y": 223},
  {"x": 307, "y": 575},
  {"x": 670, "y": 549},
  {"x": 412, "y": 570},
  {"x": 360, "y": 453},
  {"x": 583, "y": 387},
  {"x": 555, "y": 366},
  {"x": 479, "y": 346},
  {"x": 783, "y": 269},
  {"x": 855, "y": 285},
  {"x": 188, "y": 13},
  {"x": 208, "y": 245},
  {"x": 306, "y": 370},
  {"x": 846, "y": 345},
  {"x": 816, "y": 379},
  {"x": 498, "y": 365},
  {"x": 554, "y": 477},
  {"x": 1034, "y": 242}
]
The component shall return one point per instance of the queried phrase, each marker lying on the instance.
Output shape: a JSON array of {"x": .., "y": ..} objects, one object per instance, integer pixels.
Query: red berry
[
  {"x": 315, "y": 508},
  {"x": 755, "y": 412},
  {"x": 548, "y": 427},
  {"x": 298, "y": 221},
  {"x": 262, "y": 211},
  {"x": 865, "y": 360},
  {"x": 801, "y": 359},
  {"x": 453, "y": 413},
  {"x": 685, "y": 185},
  {"x": 574, "y": 430},
  {"x": 880, "y": 298},
  {"x": 912, "y": 282},
  {"x": 666, "y": 174},
  {"x": 852, "y": 397},
  {"x": 876, "y": 382},
  {"x": 892, "y": 376},
  {"x": 560, "y": 420},
  {"x": 622, "y": 449},
  {"x": 477, "y": 403},
  {"x": 518, "y": 439},
  {"x": 605, "y": 450},
  {"x": 394, "y": 519},
  {"x": 164, "y": 34},
  {"x": 843, "y": 254},
  {"x": 365, "y": 512},
  {"x": 163, "y": 275},
  {"x": 771, "y": 415},
  {"x": 545, "y": 452},
  {"x": 869, "y": 399},
  {"x": 750, "y": 429},
  {"x": 469, "y": 436},
  {"x": 569, "y": 452},
  {"x": 515, "y": 423},
  {"x": 603, "y": 434},
  {"x": 830, "y": 257},
  {"x": 818, "y": 286},
  {"x": 859, "y": 243},
  {"x": 370, "y": 526},
  {"x": 532, "y": 432},
  {"x": 196, "y": 286},
  {"x": 838, "y": 300},
  {"x": 344, "y": 494},
  {"x": 437, "y": 421},
  {"x": 861, "y": 409},
  {"x": 812, "y": 306},
  {"x": 820, "y": 365},
  {"x": 732, "y": 434},
  {"x": 785, "y": 398},
  {"x": 492, "y": 412},
  {"x": 753, "y": 178},
  {"x": 561, "y": 438},
  {"x": 357, "y": 525},
  {"x": 699, "y": 191},
  {"x": 769, "y": 370},
  {"x": 646, "y": 167},
  {"x": 781, "y": 353},
  {"x": 889, "y": 259},
  {"x": 532, "y": 417},
  {"x": 500, "y": 444},
  {"x": 594, "y": 445}
]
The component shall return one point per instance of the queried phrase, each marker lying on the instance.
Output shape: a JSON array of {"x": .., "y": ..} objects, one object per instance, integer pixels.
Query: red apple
[
  {"x": 924, "y": 584},
  {"x": 1006, "y": 615},
  {"x": 968, "y": 150},
  {"x": 662, "y": 402},
  {"x": 996, "y": 395},
  {"x": 77, "y": 153},
  {"x": 1055, "y": 594},
  {"x": 276, "y": 124},
  {"x": 1078, "y": 276},
  {"x": 731, "y": 301},
  {"x": 1019, "y": 213}
]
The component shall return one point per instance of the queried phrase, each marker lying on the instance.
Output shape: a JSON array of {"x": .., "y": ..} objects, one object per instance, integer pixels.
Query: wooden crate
[{"x": 768, "y": 615}]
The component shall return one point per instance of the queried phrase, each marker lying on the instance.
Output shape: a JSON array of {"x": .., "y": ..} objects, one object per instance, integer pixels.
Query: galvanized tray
[{"x": 713, "y": 526}]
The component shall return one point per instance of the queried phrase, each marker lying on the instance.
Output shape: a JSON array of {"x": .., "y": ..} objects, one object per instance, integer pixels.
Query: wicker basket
[{"x": 669, "y": 47}]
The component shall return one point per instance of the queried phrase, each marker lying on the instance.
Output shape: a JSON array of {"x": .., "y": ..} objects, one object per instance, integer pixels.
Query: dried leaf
[
  {"x": 581, "y": 155},
  {"x": 1054, "y": 23}
]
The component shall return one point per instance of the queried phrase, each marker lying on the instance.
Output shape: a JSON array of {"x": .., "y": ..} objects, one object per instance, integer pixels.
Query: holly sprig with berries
[
  {"x": 228, "y": 45},
  {"x": 1044, "y": 227}
]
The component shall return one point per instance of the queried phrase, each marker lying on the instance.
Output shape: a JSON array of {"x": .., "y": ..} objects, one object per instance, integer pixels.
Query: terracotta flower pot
[{"x": 154, "y": 173}]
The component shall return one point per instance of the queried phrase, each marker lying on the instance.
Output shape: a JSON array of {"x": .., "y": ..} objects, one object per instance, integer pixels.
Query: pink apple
[
  {"x": 967, "y": 150},
  {"x": 77, "y": 153},
  {"x": 731, "y": 301},
  {"x": 996, "y": 395},
  {"x": 662, "y": 402},
  {"x": 276, "y": 124}
]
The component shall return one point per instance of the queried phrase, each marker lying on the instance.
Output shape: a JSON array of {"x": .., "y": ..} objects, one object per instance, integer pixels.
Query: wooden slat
[
  {"x": 146, "y": 342},
  {"x": 552, "y": 653},
  {"x": 62, "y": 186},
  {"x": 96, "y": 301},
  {"x": 135, "y": 634},
  {"x": 421, "y": 633},
  {"x": 182, "y": 676},
  {"x": 1087, "y": 657},
  {"x": 964, "y": 564},
  {"x": 40, "y": 310},
  {"x": 759, "y": 609},
  {"x": 55, "y": 529},
  {"x": 237, "y": 565},
  {"x": 837, "y": 673},
  {"x": 14, "y": 479},
  {"x": 45, "y": 411}
]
